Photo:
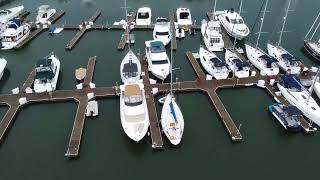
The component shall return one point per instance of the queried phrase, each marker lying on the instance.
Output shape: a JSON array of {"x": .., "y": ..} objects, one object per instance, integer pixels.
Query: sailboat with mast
[
  {"x": 261, "y": 60},
  {"x": 313, "y": 47},
  {"x": 130, "y": 68},
  {"x": 286, "y": 61},
  {"x": 240, "y": 68},
  {"x": 172, "y": 120}
]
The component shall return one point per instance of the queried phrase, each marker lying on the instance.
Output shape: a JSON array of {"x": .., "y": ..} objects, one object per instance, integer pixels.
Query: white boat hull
[
  {"x": 229, "y": 56},
  {"x": 129, "y": 80},
  {"x": 14, "y": 13},
  {"x": 173, "y": 128},
  {"x": 207, "y": 34},
  {"x": 10, "y": 45},
  {"x": 3, "y": 64}
]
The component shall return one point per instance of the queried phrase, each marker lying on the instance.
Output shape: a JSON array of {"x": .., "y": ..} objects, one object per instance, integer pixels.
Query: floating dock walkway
[
  {"x": 124, "y": 37},
  {"x": 82, "y": 31}
]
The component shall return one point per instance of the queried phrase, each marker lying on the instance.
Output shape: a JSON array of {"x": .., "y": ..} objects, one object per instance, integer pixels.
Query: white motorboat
[
  {"x": 317, "y": 87},
  {"x": 15, "y": 33},
  {"x": 211, "y": 33},
  {"x": 7, "y": 14},
  {"x": 130, "y": 68},
  {"x": 44, "y": 13},
  {"x": 240, "y": 68},
  {"x": 291, "y": 88},
  {"x": 47, "y": 74},
  {"x": 133, "y": 111},
  {"x": 261, "y": 60},
  {"x": 172, "y": 120},
  {"x": 158, "y": 61},
  {"x": 213, "y": 65},
  {"x": 234, "y": 24},
  {"x": 183, "y": 17},
  {"x": 180, "y": 33},
  {"x": 143, "y": 16},
  {"x": 312, "y": 46},
  {"x": 3, "y": 64},
  {"x": 161, "y": 30},
  {"x": 286, "y": 61}
]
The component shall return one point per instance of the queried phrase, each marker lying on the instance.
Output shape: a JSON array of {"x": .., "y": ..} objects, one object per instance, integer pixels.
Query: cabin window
[
  {"x": 227, "y": 19},
  {"x": 143, "y": 15},
  {"x": 133, "y": 100},
  {"x": 3, "y": 13},
  {"x": 44, "y": 15},
  {"x": 162, "y": 33},
  {"x": 214, "y": 40},
  {"x": 184, "y": 15},
  {"x": 313, "y": 108},
  {"x": 236, "y": 21},
  {"x": 160, "y": 62}
]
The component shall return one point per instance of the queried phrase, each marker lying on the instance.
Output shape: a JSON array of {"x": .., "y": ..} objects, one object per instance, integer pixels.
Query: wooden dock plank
[
  {"x": 75, "y": 139},
  {"x": 156, "y": 138},
  {"x": 173, "y": 31},
  {"x": 7, "y": 120},
  {"x": 124, "y": 36},
  {"x": 90, "y": 71},
  {"x": 29, "y": 81},
  {"x": 196, "y": 66},
  {"x": 225, "y": 117}
]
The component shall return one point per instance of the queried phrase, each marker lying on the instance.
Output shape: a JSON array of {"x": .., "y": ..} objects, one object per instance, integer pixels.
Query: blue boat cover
[
  {"x": 157, "y": 47},
  {"x": 172, "y": 111},
  {"x": 292, "y": 110},
  {"x": 14, "y": 23},
  {"x": 269, "y": 60},
  {"x": 289, "y": 57},
  {"x": 52, "y": 29},
  {"x": 291, "y": 81},
  {"x": 240, "y": 64},
  {"x": 217, "y": 62}
]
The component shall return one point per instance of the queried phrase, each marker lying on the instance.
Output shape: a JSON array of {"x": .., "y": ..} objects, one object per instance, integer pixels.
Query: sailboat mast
[
  {"x": 312, "y": 26},
  {"x": 314, "y": 32},
  {"x": 284, "y": 22},
  {"x": 171, "y": 75},
  {"x": 262, "y": 20}
]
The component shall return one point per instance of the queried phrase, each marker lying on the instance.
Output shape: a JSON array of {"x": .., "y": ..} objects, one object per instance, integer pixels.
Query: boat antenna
[
  {"x": 314, "y": 82},
  {"x": 284, "y": 22},
  {"x": 305, "y": 37},
  {"x": 262, "y": 20}
]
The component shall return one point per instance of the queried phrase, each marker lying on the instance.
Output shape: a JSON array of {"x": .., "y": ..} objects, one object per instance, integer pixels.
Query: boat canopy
[
  {"x": 217, "y": 62},
  {"x": 292, "y": 111},
  {"x": 291, "y": 81},
  {"x": 268, "y": 59},
  {"x": 157, "y": 47},
  {"x": 14, "y": 23},
  {"x": 44, "y": 69},
  {"x": 130, "y": 69},
  {"x": 240, "y": 64},
  {"x": 289, "y": 57}
]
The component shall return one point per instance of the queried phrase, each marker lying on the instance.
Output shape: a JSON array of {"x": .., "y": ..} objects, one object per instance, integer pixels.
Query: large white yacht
[
  {"x": 183, "y": 17},
  {"x": 3, "y": 64},
  {"x": 240, "y": 68},
  {"x": 133, "y": 111},
  {"x": 143, "y": 16},
  {"x": 211, "y": 33},
  {"x": 286, "y": 61},
  {"x": 158, "y": 61},
  {"x": 8, "y": 14},
  {"x": 15, "y": 33},
  {"x": 234, "y": 24},
  {"x": 44, "y": 13},
  {"x": 291, "y": 88},
  {"x": 47, "y": 73},
  {"x": 161, "y": 30},
  {"x": 130, "y": 68},
  {"x": 213, "y": 65}
]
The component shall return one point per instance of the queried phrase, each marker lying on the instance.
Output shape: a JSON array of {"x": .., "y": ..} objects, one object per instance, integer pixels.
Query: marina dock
[
  {"x": 82, "y": 31},
  {"x": 39, "y": 30},
  {"x": 173, "y": 31},
  {"x": 124, "y": 36},
  {"x": 156, "y": 138}
]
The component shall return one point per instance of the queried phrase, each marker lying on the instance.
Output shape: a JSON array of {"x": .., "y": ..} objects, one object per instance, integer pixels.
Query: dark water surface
[{"x": 35, "y": 146}]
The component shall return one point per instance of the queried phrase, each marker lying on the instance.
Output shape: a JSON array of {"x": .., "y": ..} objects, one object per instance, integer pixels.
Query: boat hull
[{"x": 311, "y": 51}]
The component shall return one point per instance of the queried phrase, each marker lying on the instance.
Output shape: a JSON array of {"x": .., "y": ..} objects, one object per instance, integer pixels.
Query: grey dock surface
[
  {"x": 156, "y": 138},
  {"x": 124, "y": 36},
  {"x": 173, "y": 31},
  {"x": 82, "y": 31}
]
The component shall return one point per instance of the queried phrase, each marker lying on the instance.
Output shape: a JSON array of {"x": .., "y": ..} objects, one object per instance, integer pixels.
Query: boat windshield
[
  {"x": 162, "y": 20},
  {"x": 143, "y": 15},
  {"x": 157, "y": 49},
  {"x": 133, "y": 100},
  {"x": 236, "y": 21},
  {"x": 160, "y": 62},
  {"x": 162, "y": 33},
  {"x": 184, "y": 15},
  {"x": 4, "y": 12}
]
